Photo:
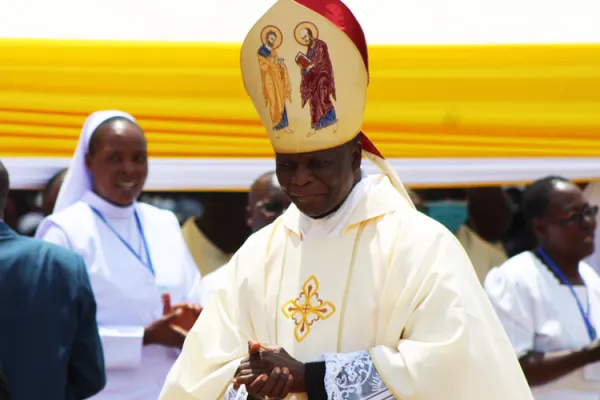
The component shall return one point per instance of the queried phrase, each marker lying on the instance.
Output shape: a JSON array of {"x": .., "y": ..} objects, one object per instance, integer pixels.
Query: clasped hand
[{"x": 269, "y": 372}]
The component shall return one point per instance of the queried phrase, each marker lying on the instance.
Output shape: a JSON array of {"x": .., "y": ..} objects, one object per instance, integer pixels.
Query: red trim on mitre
[
  {"x": 368, "y": 146},
  {"x": 341, "y": 16}
]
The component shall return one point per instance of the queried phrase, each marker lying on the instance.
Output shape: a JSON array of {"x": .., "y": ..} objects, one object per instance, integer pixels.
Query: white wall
[{"x": 384, "y": 21}]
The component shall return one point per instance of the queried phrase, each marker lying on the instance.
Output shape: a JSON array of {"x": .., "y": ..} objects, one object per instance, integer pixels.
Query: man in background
[
  {"x": 51, "y": 191},
  {"x": 490, "y": 214},
  {"x": 478, "y": 217},
  {"x": 266, "y": 202},
  {"x": 29, "y": 222},
  {"x": 49, "y": 343},
  {"x": 213, "y": 237},
  {"x": 519, "y": 237}
]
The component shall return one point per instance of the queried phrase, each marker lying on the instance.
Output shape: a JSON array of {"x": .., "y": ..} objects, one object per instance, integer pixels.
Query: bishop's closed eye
[
  {"x": 284, "y": 166},
  {"x": 317, "y": 164}
]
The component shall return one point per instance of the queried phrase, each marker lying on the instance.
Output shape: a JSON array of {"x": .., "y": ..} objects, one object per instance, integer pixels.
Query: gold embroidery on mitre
[
  {"x": 307, "y": 309},
  {"x": 317, "y": 85},
  {"x": 275, "y": 78}
]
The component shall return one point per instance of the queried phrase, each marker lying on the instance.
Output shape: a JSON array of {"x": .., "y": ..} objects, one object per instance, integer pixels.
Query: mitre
[{"x": 305, "y": 67}]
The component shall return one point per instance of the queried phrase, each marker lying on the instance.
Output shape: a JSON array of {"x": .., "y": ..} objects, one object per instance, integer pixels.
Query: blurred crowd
[
  {"x": 493, "y": 213},
  {"x": 488, "y": 221}
]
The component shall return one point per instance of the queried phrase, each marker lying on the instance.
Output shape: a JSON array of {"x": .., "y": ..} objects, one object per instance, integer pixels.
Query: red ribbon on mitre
[
  {"x": 368, "y": 146},
  {"x": 341, "y": 16}
]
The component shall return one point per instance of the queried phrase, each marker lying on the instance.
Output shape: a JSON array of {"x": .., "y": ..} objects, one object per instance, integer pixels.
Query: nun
[{"x": 135, "y": 255}]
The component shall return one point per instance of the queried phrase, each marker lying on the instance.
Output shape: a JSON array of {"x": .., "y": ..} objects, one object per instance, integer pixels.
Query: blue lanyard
[
  {"x": 140, "y": 230},
  {"x": 563, "y": 278}
]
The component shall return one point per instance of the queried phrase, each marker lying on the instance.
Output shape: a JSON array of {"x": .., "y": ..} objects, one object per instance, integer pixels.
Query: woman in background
[
  {"x": 549, "y": 299},
  {"x": 135, "y": 256}
]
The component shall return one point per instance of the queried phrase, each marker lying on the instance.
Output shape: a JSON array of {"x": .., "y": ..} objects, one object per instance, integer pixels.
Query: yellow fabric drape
[{"x": 424, "y": 101}]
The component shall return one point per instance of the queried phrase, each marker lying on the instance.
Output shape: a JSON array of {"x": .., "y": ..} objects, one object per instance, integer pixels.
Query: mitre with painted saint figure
[{"x": 305, "y": 67}]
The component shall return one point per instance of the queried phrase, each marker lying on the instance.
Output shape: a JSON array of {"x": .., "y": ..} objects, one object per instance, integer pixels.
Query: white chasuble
[
  {"x": 390, "y": 302},
  {"x": 128, "y": 294}
]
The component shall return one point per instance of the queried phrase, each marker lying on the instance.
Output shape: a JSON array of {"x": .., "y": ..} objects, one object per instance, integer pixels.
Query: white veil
[{"x": 78, "y": 180}]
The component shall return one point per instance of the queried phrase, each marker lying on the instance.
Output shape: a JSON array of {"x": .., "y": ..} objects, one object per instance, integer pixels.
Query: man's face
[
  {"x": 318, "y": 182},
  {"x": 306, "y": 37},
  {"x": 271, "y": 39},
  {"x": 267, "y": 203},
  {"x": 49, "y": 197}
]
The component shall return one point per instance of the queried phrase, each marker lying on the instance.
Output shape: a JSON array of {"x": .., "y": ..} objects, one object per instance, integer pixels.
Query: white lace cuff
[
  {"x": 353, "y": 376},
  {"x": 232, "y": 394}
]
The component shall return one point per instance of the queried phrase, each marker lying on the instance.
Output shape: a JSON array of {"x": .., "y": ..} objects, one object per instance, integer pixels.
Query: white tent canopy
[{"x": 384, "y": 21}]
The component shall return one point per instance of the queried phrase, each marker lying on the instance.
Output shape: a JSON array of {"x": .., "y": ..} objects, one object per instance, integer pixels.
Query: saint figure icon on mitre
[
  {"x": 275, "y": 78},
  {"x": 317, "y": 87}
]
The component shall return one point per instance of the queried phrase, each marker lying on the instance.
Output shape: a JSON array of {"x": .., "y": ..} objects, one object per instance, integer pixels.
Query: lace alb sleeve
[
  {"x": 232, "y": 394},
  {"x": 353, "y": 376}
]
